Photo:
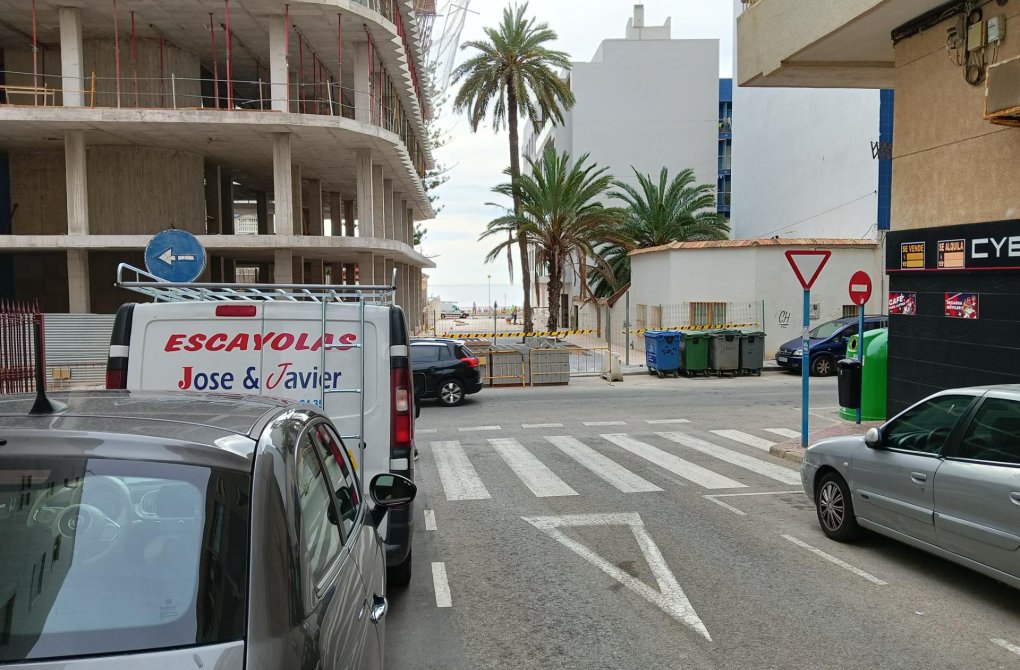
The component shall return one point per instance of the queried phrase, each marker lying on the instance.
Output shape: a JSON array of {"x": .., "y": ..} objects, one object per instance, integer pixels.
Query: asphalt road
[{"x": 608, "y": 526}]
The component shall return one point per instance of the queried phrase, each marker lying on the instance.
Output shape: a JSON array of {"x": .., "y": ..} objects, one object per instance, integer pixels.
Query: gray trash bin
[
  {"x": 724, "y": 351},
  {"x": 752, "y": 352}
]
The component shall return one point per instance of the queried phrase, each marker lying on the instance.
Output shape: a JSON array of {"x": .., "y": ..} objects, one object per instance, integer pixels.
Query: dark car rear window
[
  {"x": 462, "y": 351},
  {"x": 103, "y": 556}
]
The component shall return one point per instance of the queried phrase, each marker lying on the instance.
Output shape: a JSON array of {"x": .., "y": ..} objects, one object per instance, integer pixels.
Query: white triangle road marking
[{"x": 670, "y": 597}]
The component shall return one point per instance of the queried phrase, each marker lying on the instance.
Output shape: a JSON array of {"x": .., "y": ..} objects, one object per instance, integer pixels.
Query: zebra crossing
[{"x": 716, "y": 460}]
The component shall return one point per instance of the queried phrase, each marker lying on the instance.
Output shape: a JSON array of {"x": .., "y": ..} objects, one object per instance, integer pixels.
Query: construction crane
[{"x": 441, "y": 50}]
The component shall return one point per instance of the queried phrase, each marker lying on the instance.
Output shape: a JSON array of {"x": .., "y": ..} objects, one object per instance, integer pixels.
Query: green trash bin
[
  {"x": 693, "y": 352},
  {"x": 873, "y": 375}
]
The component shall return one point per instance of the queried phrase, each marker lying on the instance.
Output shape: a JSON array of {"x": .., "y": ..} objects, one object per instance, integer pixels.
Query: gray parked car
[
  {"x": 162, "y": 530},
  {"x": 943, "y": 476}
]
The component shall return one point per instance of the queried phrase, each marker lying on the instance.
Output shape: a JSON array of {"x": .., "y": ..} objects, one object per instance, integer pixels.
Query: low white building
[{"x": 747, "y": 282}]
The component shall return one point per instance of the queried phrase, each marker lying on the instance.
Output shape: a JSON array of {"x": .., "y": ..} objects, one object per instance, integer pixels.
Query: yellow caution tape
[{"x": 562, "y": 333}]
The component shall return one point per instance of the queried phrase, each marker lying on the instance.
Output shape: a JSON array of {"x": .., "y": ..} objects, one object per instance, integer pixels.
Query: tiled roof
[{"x": 766, "y": 242}]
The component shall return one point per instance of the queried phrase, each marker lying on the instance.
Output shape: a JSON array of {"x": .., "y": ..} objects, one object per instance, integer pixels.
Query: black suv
[{"x": 450, "y": 369}]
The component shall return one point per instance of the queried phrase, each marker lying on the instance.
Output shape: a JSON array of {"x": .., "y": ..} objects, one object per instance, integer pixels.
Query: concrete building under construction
[{"x": 290, "y": 137}]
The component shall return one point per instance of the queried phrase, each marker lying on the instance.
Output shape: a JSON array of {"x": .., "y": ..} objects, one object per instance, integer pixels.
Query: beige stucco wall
[
  {"x": 950, "y": 165},
  {"x": 132, "y": 190}
]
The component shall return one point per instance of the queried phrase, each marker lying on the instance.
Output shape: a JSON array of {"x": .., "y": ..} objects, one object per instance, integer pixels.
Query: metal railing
[
  {"x": 319, "y": 98},
  {"x": 17, "y": 346}
]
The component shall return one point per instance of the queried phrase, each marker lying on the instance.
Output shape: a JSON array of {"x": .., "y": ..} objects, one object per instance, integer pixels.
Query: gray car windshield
[{"x": 104, "y": 556}]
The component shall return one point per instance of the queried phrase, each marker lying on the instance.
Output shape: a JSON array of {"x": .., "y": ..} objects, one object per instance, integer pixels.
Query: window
[
  {"x": 425, "y": 353},
  {"x": 850, "y": 311},
  {"x": 875, "y": 325},
  {"x": 103, "y": 556},
  {"x": 341, "y": 475},
  {"x": 994, "y": 435},
  {"x": 826, "y": 330},
  {"x": 926, "y": 427},
  {"x": 707, "y": 313},
  {"x": 319, "y": 531}
]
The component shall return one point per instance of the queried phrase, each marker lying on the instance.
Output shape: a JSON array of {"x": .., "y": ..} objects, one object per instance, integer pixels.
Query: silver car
[
  {"x": 160, "y": 530},
  {"x": 943, "y": 476}
]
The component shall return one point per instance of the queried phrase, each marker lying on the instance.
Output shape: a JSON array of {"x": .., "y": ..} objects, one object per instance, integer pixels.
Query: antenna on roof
[{"x": 42, "y": 405}]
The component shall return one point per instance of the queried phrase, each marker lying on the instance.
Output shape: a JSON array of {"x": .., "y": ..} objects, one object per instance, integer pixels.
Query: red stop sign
[{"x": 860, "y": 287}]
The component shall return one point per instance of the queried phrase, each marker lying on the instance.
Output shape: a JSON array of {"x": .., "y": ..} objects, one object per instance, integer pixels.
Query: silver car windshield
[{"x": 104, "y": 556}]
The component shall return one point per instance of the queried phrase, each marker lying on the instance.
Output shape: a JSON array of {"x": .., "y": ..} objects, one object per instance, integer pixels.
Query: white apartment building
[
  {"x": 644, "y": 101},
  {"x": 288, "y": 136}
]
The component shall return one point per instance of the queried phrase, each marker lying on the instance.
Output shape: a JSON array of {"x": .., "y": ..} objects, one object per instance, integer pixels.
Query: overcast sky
[{"x": 478, "y": 159}]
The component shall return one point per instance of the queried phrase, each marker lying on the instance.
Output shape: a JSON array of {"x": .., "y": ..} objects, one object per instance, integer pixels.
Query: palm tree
[
  {"x": 561, "y": 215},
  {"x": 658, "y": 212},
  {"x": 514, "y": 73}
]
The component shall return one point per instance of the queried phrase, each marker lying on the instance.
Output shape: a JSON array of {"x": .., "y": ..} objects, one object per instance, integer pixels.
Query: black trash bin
[{"x": 849, "y": 375}]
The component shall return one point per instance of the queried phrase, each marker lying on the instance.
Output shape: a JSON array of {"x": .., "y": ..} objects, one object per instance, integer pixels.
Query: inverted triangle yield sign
[{"x": 807, "y": 264}]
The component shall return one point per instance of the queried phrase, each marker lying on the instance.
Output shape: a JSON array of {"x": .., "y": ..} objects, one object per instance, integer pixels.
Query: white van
[
  {"x": 341, "y": 348},
  {"x": 450, "y": 309}
]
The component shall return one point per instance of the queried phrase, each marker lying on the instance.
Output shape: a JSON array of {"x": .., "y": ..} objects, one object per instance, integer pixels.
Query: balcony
[{"x": 848, "y": 45}]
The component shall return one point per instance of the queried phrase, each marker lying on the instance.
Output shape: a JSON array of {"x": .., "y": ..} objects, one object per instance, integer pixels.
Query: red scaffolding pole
[
  {"x": 301, "y": 74},
  {"x": 116, "y": 49},
  {"x": 134, "y": 58},
  {"x": 286, "y": 46},
  {"x": 215, "y": 67},
  {"x": 230, "y": 77},
  {"x": 35, "y": 57}
]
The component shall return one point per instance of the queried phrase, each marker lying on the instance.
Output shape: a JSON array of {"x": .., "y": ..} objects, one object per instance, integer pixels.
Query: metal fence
[{"x": 17, "y": 349}]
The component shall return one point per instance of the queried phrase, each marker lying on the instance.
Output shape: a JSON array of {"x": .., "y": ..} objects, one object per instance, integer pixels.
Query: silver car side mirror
[{"x": 873, "y": 438}]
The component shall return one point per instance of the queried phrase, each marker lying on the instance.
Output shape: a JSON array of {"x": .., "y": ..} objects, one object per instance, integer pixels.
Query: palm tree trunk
[
  {"x": 515, "y": 175},
  {"x": 555, "y": 286}
]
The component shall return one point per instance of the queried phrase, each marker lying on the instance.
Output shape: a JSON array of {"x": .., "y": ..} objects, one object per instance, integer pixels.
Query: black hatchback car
[{"x": 450, "y": 369}]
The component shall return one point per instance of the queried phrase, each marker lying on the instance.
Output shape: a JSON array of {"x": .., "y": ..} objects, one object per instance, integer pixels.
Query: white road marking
[
  {"x": 442, "y": 585},
  {"x": 744, "y": 438},
  {"x": 678, "y": 466},
  {"x": 460, "y": 480},
  {"x": 535, "y": 475},
  {"x": 604, "y": 467},
  {"x": 430, "y": 519},
  {"x": 770, "y": 470},
  {"x": 473, "y": 429},
  {"x": 541, "y": 425},
  {"x": 1007, "y": 646},
  {"x": 655, "y": 421},
  {"x": 604, "y": 423},
  {"x": 670, "y": 597},
  {"x": 783, "y": 432},
  {"x": 726, "y": 505},
  {"x": 714, "y": 498},
  {"x": 422, "y": 431},
  {"x": 832, "y": 559}
]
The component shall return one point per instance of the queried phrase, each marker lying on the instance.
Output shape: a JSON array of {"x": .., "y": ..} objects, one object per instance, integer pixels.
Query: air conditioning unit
[{"x": 1002, "y": 93}]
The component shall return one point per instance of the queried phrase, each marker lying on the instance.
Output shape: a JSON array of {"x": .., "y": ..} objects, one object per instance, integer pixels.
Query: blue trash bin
[{"x": 662, "y": 352}]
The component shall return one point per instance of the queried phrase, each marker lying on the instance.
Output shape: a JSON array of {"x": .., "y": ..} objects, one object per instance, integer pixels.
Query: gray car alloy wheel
[
  {"x": 451, "y": 393},
  {"x": 831, "y": 507}
]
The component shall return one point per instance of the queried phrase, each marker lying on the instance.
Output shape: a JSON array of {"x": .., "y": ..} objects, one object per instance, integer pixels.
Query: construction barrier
[{"x": 564, "y": 333}]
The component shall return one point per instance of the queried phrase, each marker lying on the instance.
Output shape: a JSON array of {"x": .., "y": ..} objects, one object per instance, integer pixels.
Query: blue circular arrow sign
[{"x": 175, "y": 255}]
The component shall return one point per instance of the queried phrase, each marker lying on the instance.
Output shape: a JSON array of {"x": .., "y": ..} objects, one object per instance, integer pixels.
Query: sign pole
[
  {"x": 805, "y": 370},
  {"x": 860, "y": 354}
]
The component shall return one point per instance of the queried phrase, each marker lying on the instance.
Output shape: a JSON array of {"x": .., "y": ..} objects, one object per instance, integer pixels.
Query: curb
[{"x": 795, "y": 454}]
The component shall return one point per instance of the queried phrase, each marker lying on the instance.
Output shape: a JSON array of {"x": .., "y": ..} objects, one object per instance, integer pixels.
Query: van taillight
[
  {"x": 116, "y": 379},
  {"x": 402, "y": 408},
  {"x": 235, "y": 310}
]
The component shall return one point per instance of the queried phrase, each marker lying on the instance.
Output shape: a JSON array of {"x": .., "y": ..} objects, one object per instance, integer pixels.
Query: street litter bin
[
  {"x": 848, "y": 373},
  {"x": 752, "y": 352},
  {"x": 724, "y": 351},
  {"x": 873, "y": 376},
  {"x": 693, "y": 353},
  {"x": 662, "y": 352}
]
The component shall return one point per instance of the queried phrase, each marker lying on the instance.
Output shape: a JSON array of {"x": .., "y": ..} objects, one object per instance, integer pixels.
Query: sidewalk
[{"x": 792, "y": 451}]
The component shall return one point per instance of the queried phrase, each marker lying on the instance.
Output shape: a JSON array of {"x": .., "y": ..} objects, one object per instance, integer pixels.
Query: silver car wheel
[
  {"x": 451, "y": 393},
  {"x": 831, "y": 508}
]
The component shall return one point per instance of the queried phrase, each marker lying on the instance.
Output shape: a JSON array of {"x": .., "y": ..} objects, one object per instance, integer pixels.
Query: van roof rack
[{"x": 140, "y": 281}]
